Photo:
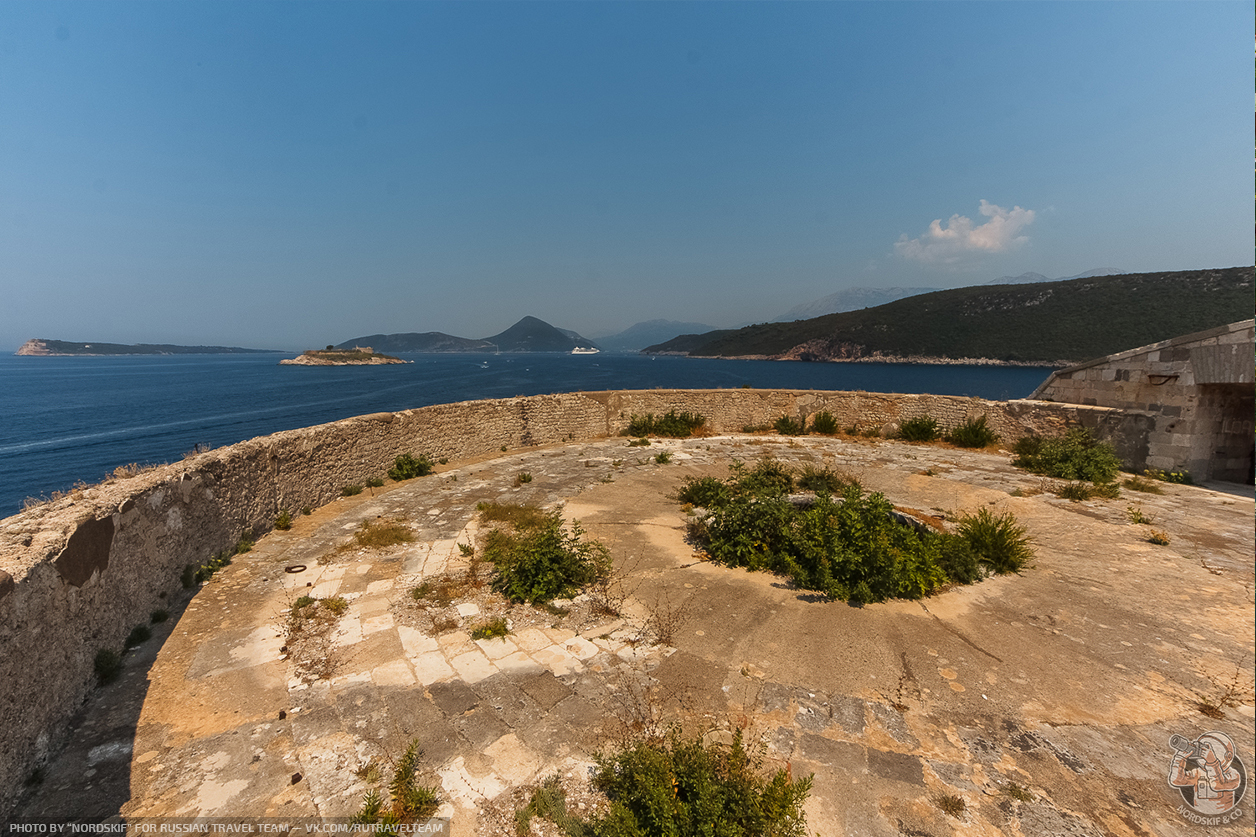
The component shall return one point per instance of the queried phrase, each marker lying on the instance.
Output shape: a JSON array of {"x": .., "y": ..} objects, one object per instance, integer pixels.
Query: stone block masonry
[
  {"x": 1196, "y": 392},
  {"x": 78, "y": 573}
]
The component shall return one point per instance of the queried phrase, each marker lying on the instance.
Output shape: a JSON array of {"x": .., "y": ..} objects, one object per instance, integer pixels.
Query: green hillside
[{"x": 1053, "y": 321}]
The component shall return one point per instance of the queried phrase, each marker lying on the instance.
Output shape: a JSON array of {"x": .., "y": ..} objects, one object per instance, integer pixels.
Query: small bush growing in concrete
[
  {"x": 787, "y": 426},
  {"x": 973, "y": 433},
  {"x": 546, "y": 562},
  {"x": 407, "y": 467},
  {"x": 283, "y": 521},
  {"x": 1077, "y": 455},
  {"x": 663, "y": 457},
  {"x": 824, "y": 479},
  {"x": 848, "y": 547},
  {"x": 379, "y": 534},
  {"x": 824, "y": 423},
  {"x": 375, "y": 482},
  {"x": 1017, "y": 792},
  {"x": 1158, "y": 537},
  {"x": 407, "y": 802},
  {"x": 997, "y": 540},
  {"x": 1078, "y": 491},
  {"x": 518, "y": 515},
  {"x": 1146, "y": 486},
  {"x": 138, "y": 636},
  {"x": 707, "y": 492},
  {"x": 351, "y": 491},
  {"x": 491, "y": 629},
  {"x": 680, "y": 785},
  {"x": 108, "y": 665},
  {"x": 952, "y": 805},
  {"x": 671, "y": 424},
  {"x": 919, "y": 429},
  {"x": 1178, "y": 477}
]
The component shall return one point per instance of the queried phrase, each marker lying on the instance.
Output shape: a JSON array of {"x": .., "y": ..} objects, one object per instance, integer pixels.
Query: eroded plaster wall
[{"x": 78, "y": 573}]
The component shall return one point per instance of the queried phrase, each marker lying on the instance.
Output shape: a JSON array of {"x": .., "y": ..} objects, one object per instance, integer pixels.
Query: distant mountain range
[
  {"x": 527, "y": 335},
  {"x": 637, "y": 337},
  {"x": 852, "y": 299},
  {"x": 1049, "y": 323}
]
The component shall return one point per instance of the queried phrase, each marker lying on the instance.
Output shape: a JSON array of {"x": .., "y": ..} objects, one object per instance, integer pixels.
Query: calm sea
[{"x": 64, "y": 419}]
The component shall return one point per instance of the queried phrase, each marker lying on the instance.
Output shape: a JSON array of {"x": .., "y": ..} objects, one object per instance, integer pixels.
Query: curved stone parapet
[{"x": 78, "y": 572}]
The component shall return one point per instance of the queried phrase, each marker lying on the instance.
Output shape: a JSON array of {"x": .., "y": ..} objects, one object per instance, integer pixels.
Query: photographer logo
[{"x": 1210, "y": 776}]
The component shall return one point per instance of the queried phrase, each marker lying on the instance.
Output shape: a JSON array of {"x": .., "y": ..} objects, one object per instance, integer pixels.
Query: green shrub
[
  {"x": 663, "y": 457},
  {"x": 824, "y": 423},
  {"x": 787, "y": 426},
  {"x": 1076, "y": 455},
  {"x": 518, "y": 515},
  {"x": 546, "y": 562},
  {"x": 351, "y": 491},
  {"x": 491, "y": 629},
  {"x": 408, "y": 800},
  {"x": 212, "y": 565},
  {"x": 679, "y": 786},
  {"x": 998, "y": 541},
  {"x": 379, "y": 534},
  {"x": 245, "y": 544},
  {"x": 671, "y": 424},
  {"x": 523, "y": 477},
  {"x": 1078, "y": 491},
  {"x": 919, "y": 429},
  {"x": 824, "y": 479},
  {"x": 375, "y": 482},
  {"x": 767, "y": 477},
  {"x": 1179, "y": 477},
  {"x": 973, "y": 433},
  {"x": 1146, "y": 486},
  {"x": 639, "y": 443},
  {"x": 406, "y": 467},
  {"x": 707, "y": 492},
  {"x": 139, "y": 635},
  {"x": 108, "y": 665},
  {"x": 283, "y": 521},
  {"x": 959, "y": 561},
  {"x": 549, "y": 801},
  {"x": 849, "y": 547}
]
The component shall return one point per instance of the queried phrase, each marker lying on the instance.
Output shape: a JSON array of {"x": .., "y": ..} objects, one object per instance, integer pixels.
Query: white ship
[{"x": 582, "y": 351}]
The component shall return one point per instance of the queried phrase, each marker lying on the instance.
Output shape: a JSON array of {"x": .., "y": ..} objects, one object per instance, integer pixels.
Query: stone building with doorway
[{"x": 1197, "y": 390}]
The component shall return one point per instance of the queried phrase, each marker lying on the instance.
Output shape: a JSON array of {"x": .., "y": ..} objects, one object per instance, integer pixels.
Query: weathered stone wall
[
  {"x": 78, "y": 573},
  {"x": 1196, "y": 392}
]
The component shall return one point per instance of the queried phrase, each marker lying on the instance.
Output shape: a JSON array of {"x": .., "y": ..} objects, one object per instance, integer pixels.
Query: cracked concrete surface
[{"x": 1066, "y": 680}]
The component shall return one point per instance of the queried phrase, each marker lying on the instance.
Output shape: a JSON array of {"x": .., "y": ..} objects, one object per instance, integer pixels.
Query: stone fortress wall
[
  {"x": 1197, "y": 390},
  {"x": 77, "y": 573}
]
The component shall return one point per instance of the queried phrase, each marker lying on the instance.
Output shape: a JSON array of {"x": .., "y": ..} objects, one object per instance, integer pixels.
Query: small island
[{"x": 357, "y": 356}]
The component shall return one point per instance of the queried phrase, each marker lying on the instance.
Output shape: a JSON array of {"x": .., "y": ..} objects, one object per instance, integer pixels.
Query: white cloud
[{"x": 960, "y": 238}]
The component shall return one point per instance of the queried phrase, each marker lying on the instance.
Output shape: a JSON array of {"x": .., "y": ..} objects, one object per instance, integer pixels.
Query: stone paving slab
[{"x": 1067, "y": 680}]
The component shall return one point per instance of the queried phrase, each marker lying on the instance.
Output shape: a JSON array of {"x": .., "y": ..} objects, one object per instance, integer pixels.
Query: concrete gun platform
[{"x": 1065, "y": 682}]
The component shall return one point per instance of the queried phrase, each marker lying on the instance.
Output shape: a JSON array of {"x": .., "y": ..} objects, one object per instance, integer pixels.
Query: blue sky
[{"x": 293, "y": 174}]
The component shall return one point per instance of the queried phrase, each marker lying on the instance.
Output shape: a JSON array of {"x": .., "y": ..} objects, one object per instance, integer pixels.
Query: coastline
[{"x": 916, "y": 360}]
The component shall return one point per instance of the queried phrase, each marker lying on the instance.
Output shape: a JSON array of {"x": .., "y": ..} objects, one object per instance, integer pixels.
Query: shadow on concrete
[{"x": 89, "y": 779}]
